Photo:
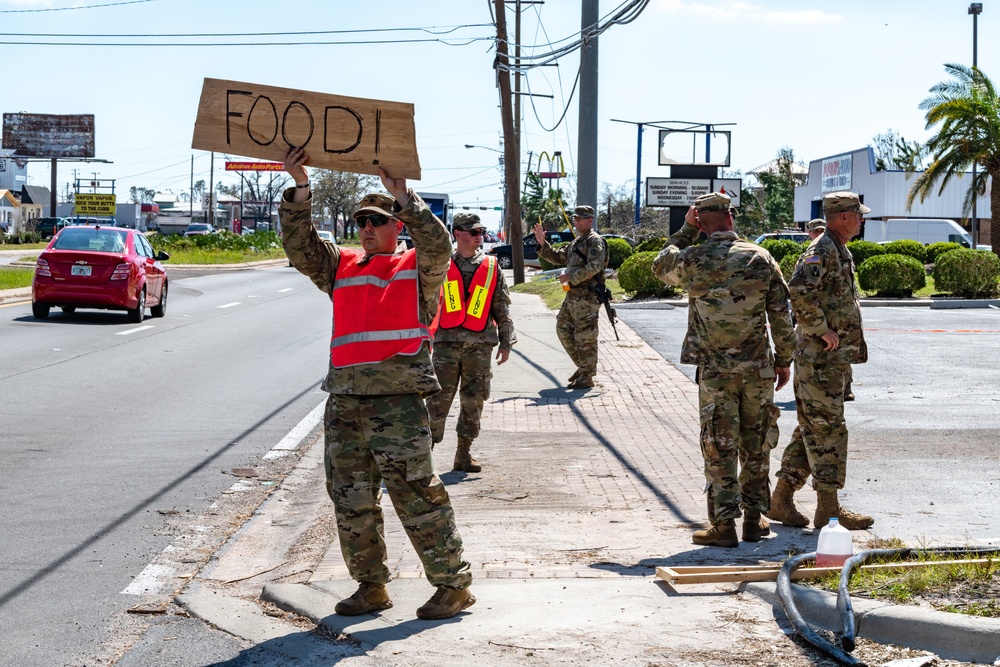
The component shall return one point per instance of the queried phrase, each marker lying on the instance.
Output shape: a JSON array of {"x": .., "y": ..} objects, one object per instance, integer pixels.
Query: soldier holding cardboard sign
[{"x": 377, "y": 428}]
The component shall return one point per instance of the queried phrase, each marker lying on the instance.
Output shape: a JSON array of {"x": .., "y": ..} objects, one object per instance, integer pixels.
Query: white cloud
[{"x": 744, "y": 11}]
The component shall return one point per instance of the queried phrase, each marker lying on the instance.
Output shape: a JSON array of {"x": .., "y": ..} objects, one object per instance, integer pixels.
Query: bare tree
[
  {"x": 338, "y": 193},
  {"x": 258, "y": 192}
]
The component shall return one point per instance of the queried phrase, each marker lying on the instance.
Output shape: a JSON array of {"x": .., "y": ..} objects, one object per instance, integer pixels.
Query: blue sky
[{"x": 818, "y": 77}]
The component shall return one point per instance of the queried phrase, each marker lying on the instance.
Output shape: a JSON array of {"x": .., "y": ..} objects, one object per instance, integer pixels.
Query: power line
[
  {"x": 66, "y": 9},
  {"x": 434, "y": 30},
  {"x": 464, "y": 42}
]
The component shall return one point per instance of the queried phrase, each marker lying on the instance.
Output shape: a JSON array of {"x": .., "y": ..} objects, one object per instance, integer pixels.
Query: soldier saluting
[{"x": 734, "y": 290}]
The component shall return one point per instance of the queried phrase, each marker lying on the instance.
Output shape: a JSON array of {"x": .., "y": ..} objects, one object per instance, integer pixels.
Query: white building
[{"x": 884, "y": 192}]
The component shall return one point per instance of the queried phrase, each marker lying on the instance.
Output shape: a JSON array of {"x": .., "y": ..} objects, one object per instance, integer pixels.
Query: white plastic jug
[{"x": 835, "y": 545}]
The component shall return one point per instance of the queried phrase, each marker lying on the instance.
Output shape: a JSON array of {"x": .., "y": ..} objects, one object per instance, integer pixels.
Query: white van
[{"x": 924, "y": 230}]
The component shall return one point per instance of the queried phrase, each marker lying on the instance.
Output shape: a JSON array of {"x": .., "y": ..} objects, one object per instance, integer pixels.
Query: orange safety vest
[
  {"x": 473, "y": 314},
  {"x": 376, "y": 309}
]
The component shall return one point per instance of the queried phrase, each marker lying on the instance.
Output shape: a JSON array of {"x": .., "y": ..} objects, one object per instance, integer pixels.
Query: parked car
[
  {"x": 504, "y": 253},
  {"x": 783, "y": 235},
  {"x": 108, "y": 268},
  {"x": 326, "y": 235},
  {"x": 49, "y": 227},
  {"x": 198, "y": 229}
]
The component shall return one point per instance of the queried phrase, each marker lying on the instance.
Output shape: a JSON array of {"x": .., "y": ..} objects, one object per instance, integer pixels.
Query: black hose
[
  {"x": 784, "y": 589},
  {"x": 844, "y": 607}
]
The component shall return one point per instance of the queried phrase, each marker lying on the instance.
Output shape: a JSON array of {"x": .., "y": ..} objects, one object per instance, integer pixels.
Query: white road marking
[
  {"x": 287, "y": 289},
  {"x": 150, "y": 580},
  {"x": 132, "y": 331},
  {"x": 294, "y": 438},
  {"x": 229, "y": 305}
]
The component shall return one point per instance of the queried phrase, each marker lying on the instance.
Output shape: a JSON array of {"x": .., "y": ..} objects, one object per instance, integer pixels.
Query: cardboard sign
[{"x": 341, "y": 133}]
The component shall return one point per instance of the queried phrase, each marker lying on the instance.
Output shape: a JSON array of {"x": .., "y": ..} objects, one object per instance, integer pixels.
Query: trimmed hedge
[
  {"x": 618, "y": 251},
  {"x": 221, "y": 241},
  {"x": 862, "y": 250},
  {"x": 781, "y": 247},
  {"x": 935, "y": 250},
  {"x": 892, "y": 275},
  {"x": 908, "y": 247},
  {"x": 651, "y": 245},
  {"x": 968, "y": 273},
  {"x": 636, "y": 277},
  {"x": 787, "y": 265}
]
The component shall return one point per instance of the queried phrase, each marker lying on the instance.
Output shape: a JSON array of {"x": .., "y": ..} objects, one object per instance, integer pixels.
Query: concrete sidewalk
[{"x": 582, "y": 495}]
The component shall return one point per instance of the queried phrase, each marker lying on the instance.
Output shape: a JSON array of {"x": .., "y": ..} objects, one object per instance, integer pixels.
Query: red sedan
[{"x": 100, "y": 267}]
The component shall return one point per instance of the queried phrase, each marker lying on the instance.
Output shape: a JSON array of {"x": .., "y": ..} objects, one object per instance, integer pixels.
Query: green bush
[
  {"x": 892, "y": 275},
  {"x": 636, "y": 277},
  {"x": 908, "y": 247},
  {"x": 935, "y": 250},
  {"x": 255, "y": 242},
  {"x": 618, "y": 251},
  {"x": 25, "y": 238},
  {"x": 651, "y": 245},
  {"x": 787, "y": 264},
  {"x": 546, "y": 264},
  {"x": 967, "y": 273},
  {"x": 862, "y": 250},
  {"x": 781, "y": 247}
]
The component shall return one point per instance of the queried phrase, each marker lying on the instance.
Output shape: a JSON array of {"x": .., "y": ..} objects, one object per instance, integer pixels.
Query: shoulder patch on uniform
[{"x": 812, "y": 259}]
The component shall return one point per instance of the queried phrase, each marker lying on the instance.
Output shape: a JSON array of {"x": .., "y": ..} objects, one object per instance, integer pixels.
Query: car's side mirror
[{"x": 162, "y": 256}]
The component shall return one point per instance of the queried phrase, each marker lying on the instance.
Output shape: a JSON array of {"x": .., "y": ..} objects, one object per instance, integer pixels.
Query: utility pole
[
  {"x": 512, "y": 163},
  {"x": 211, "y": 185},
  {"x": 586, "y": 159}
]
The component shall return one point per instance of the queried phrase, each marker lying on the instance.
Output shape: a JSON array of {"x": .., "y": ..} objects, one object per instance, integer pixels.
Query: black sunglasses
[
  {"x": 472, "y": 232},
  {"x": 374, "y": 218}
]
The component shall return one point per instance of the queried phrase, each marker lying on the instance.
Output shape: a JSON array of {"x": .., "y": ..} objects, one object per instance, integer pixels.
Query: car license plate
[{"x": 78, "y": 270}]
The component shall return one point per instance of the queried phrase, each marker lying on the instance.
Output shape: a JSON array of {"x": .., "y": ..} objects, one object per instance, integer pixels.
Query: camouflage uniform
[
  {"x": 734, "y": 289},
  {"x": 824, "y": 296},
  {"x": 377, "y": 427},
  {"x": 585, "y": 259},
  {"x": 464, "y": 357}
]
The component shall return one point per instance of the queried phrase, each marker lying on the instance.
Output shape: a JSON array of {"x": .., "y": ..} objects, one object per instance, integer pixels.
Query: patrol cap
[
  {"x": 713, "y": 201},
  {"x": 583, "y": 212},
  {"x": 815, "y": 223},
  {"x": 465, "y": 220},
  {"x": 839, "y": 202},
  {"x": 377, "y": 203}
]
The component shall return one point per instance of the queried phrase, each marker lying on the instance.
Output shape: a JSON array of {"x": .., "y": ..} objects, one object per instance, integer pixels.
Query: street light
[{"x": 975, "y": 9}]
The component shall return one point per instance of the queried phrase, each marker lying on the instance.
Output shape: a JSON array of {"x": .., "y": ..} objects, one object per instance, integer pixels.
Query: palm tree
[{"x": 968, "y": 109}]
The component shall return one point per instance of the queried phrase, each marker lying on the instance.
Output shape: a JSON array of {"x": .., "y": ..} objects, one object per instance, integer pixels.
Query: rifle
[{"x": 604, "y": 296}]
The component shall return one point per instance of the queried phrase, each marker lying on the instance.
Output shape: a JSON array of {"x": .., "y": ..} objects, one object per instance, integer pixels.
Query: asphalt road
[
  {"x": 923, "y": 453},
  {"x": 106, "y": 424}
]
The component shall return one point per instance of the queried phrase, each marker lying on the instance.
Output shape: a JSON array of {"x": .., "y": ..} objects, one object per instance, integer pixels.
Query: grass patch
[
  {"x": 552, "y": 292},
  {"x": 210, "y": 256},
  {"x": 962, "y": 587},
  {"x": 16, "y": 278},
  {"x": 24, "y": 246}
]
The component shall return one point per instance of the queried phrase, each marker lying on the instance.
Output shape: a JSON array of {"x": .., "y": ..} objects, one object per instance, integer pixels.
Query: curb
[
  {"x": 670, "y": 304},
  {"x": 947, "y": 635}
]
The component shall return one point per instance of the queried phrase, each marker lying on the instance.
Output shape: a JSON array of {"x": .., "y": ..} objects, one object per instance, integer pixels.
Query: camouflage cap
[
  {"x": 815, "y": 223},
  {"x": 583, "y": 212},
  {"x": 838, "y": 202},
  {"x": 378, "y": 203},
  {"x": 465, "y": 220},
  {"x": 713, "y": 201}
]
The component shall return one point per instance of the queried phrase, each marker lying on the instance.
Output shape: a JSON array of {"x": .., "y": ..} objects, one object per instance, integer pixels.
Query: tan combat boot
[
  {"x": 582, "y": 382},
  {"x": 754, "y": 526},
  {"x": 369, "y": 597},
  {"x": 463, "y": 457},
  {"x": 574, "y": 376},
  {"x": 783, "y": 507},
  {"x": 828, "y": 507},
  {"x": 445, "y": 603},
  {"x": 719, "y": 535}
]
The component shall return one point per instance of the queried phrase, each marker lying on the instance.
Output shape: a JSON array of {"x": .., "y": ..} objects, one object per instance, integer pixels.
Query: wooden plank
[
  {"x": 696, "y": 574},
  {"x": 342, "y": 133}
]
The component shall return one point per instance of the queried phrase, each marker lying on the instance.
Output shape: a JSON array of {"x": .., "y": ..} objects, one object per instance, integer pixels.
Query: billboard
[
  {"x": 695, "y": 147},
  {"x": 49, "y": 136},
  {"x": 87, "y": 204}
]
